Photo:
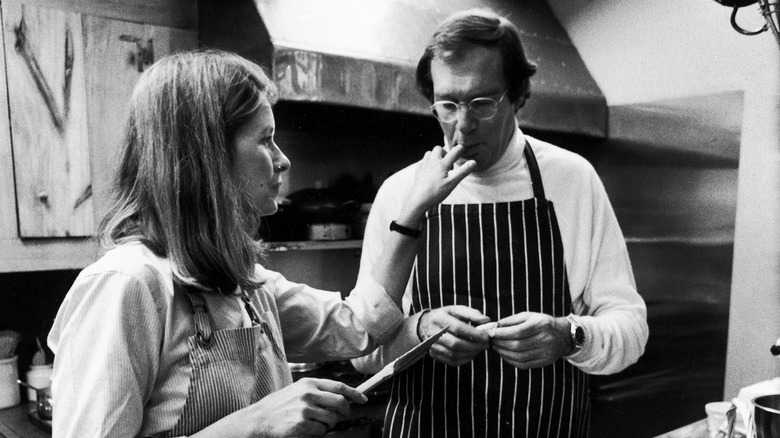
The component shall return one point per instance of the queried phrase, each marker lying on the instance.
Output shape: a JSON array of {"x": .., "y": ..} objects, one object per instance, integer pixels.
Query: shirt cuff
[{"x": 378, "y": 312}]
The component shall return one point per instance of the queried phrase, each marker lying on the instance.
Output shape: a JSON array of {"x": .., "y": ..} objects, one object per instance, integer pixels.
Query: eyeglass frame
[{"x": 467, "y": 106}]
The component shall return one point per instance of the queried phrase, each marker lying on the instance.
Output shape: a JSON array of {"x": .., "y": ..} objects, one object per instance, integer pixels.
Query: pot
[
  {"x": 319, "y": 206},
  {"x": 303, "y": 212},
  {"x": 767, "y": 416}
]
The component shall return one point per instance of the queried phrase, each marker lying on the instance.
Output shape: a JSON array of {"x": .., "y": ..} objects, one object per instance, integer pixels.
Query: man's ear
[{"x": 521, "y": 101}]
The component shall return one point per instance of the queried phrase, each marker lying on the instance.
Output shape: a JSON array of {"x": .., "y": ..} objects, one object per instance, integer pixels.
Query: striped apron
[
  {"x": 501, "y": 259},
  {"x": 231, "y": 369}
]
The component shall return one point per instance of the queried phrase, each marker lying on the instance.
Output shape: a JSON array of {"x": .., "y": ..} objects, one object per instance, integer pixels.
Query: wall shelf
[{"x": 314, "y": 245}]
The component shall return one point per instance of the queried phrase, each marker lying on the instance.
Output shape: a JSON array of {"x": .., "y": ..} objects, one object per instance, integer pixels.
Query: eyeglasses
[{"x": 483, "y": 108}]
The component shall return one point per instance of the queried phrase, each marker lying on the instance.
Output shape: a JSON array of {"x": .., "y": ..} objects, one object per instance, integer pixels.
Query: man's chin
[{"x": 463, "y": 160}]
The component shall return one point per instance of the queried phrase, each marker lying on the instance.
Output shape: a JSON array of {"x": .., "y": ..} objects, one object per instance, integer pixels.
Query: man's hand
[
  {"x": 531, "y": 340},
  {"x": 462, "y": 341}
]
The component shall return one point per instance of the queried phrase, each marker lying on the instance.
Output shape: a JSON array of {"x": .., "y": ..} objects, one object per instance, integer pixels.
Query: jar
[
  {"x": 39, "y": 377},
  {"x": 9, "y": 388}
]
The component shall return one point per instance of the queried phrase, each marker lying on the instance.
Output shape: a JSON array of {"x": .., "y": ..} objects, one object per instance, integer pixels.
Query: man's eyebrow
[{"x": 471, "y": 96}]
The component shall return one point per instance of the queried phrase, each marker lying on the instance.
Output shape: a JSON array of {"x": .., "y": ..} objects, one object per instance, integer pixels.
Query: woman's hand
[
  {"x": 435, "y": 179},
  {"x": 308, "y": 407}
]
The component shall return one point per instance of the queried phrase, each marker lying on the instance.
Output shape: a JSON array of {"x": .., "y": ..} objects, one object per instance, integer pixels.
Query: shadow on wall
[{"x": 670, "y": 169}]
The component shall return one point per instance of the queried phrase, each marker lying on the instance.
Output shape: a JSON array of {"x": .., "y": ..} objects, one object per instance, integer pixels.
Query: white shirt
[
  {"x": 122, "y": 363},
  {"x": 603, "y": 291}
]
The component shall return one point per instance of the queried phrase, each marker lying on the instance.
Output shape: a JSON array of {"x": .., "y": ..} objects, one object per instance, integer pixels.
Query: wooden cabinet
[
  {"x": 44, "y": 54},
  {"x": 69, "y": 78}
]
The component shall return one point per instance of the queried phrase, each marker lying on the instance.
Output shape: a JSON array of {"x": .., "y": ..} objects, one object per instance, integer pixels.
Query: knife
[{"x": 405, "y": 361}]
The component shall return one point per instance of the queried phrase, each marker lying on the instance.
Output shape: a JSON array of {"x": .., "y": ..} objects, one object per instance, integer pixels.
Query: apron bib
[
  {"x": 231, "y": 369},
  {"x": 501, "y": 259}
]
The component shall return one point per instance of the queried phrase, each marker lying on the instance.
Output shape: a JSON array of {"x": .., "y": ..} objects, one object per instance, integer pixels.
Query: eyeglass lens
[{"x": 482, "y": 108}]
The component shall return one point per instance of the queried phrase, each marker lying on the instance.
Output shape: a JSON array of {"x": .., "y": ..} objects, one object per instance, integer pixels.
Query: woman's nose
[{"x": 281, "y": 162}]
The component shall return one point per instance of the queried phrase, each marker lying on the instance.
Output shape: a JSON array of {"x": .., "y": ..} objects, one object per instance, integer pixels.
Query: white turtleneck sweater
[{"x": 603, "y": 291}]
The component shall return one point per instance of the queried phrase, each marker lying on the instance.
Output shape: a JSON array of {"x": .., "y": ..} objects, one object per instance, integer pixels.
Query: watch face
[{"x": 579, "y": 335}]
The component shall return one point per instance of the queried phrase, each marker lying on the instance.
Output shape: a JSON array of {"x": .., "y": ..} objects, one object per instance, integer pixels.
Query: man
[{"x": 558, "y": 281}]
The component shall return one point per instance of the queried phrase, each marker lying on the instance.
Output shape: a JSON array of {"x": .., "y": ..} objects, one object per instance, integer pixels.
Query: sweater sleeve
[{"x": 610, "y": 309}]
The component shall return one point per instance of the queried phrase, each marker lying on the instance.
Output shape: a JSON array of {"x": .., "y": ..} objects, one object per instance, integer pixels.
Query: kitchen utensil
[
  {"x": 400, "y": 364},
  {"x": 39, "y": 358},
  {"x": 766, "y": 416},
  {"x": 43, "y": 400},
  {"x": 8, "y": 341},
  {"x": 775, "y": 349}
]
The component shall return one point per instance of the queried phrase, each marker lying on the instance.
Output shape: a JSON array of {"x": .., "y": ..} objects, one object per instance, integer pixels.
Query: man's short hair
[{"x": 484, "y": 28}]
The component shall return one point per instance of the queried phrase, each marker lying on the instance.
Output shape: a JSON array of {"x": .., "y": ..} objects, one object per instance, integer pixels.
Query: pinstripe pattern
[
  {"x": 237, "y": 368},
  {"x": 502, "y": 259}
]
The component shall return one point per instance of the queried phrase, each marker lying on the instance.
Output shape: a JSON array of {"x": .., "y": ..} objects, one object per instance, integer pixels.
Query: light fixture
[{"x": 769, "y": 9}]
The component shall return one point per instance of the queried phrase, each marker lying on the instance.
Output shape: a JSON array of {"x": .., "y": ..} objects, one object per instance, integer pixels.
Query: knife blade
[{"x": 403, "y": 362}]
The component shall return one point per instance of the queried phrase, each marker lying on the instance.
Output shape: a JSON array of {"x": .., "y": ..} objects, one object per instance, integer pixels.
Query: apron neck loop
[
  {"x": 251, "y": 310},
  {"x": 533, "y": 169},
  {"x": 201, "y": 317}
]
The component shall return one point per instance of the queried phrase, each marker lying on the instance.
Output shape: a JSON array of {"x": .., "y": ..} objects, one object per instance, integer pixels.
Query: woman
[{"x": 178, "y": 330}]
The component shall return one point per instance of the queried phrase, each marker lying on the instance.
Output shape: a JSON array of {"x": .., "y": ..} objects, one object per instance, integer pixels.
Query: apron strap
[
  {"x": 533, "y": 169},
  {"x": 254, "y": 315},
  {"x": 201, "y": 317},
  {"x": 251, "y": 310}
]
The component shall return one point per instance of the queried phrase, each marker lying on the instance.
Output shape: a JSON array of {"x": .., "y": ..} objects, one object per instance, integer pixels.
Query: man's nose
[{"x": 464, "y": 121}]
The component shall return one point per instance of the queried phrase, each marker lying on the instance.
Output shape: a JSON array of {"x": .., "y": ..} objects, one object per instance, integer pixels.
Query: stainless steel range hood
[{"x": 364, "y": 53}]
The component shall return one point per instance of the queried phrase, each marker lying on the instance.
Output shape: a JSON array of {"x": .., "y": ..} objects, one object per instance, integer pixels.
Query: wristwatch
[{"x": 577, "y": 335}]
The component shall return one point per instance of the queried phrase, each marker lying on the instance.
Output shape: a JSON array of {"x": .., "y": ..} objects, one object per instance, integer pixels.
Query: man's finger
[
  {"x": 467, "y": 314},
  {"x": 451, "y": 156},
  {"x": 457, "y": 174}
]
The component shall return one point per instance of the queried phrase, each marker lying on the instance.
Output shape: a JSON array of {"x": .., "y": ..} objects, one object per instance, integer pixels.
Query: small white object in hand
[{"x": 489, "y": 327}]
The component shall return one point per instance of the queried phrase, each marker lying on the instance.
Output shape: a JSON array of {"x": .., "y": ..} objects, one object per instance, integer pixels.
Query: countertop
[
  {"x": 693, "y": 430},
  {"x": 14, "y": 423},
  {"x": 366, "y": 419}
]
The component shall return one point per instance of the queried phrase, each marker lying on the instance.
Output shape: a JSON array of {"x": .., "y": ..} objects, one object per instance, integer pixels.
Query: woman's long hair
[{"x": 174, "y": 190}]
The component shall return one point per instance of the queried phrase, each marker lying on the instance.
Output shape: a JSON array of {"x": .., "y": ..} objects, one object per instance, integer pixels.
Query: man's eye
[
  {"x": 448, "y": 106},
  {"x": 478, "y": 104}
]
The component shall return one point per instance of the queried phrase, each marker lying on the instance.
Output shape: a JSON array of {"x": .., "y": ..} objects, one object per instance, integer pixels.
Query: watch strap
[{"x": 406, "y": 231}]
